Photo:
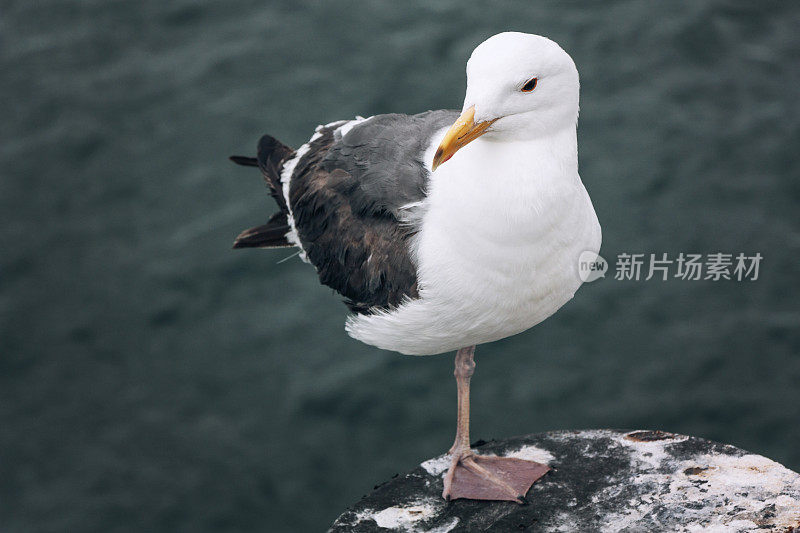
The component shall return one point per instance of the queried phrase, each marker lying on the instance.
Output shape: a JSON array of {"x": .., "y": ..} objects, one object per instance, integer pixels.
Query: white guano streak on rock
[
  {"x": 437, "y": 466},
  {"x": 407, "y": 517}
]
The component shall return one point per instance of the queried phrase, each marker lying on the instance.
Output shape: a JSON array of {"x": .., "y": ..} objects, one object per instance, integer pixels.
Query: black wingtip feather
[
  {"x": 244, "y": 160},
  {"x": 270, "y": 235},
  {"x": 263, "y": 237},
  {"x": 271, "y": 155}
]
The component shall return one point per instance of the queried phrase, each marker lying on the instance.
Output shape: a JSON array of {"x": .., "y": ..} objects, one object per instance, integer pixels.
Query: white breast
[{"x": 498, "y": 249}]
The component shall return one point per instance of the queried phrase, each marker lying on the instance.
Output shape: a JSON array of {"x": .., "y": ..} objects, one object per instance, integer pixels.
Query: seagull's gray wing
[{"x": 346, "y": 195}]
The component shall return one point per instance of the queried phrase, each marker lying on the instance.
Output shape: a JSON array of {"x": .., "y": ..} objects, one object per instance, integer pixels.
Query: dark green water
[{"x": 151, "y": 379}]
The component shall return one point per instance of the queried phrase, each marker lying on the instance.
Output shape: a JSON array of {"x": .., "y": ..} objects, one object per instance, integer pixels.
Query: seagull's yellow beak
[{"x": 460, "y": 134}]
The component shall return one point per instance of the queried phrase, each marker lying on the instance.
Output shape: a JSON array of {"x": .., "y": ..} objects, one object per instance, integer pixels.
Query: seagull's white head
[{"x": 519, "y": 86}]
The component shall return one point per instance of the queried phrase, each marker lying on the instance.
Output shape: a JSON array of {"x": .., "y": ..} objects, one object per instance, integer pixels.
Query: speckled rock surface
[{"x": 602, "y": 480}]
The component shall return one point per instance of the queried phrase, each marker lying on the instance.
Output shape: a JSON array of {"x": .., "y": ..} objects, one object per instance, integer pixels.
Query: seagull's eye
[{"x": 529, "y": 85}]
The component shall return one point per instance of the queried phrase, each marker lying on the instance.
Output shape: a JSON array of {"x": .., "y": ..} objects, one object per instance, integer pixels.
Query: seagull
[{"x": 445, "y": 230}]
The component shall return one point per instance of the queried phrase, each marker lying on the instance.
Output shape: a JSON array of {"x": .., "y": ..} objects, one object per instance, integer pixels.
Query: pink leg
[{"x": 479, "y": 477}]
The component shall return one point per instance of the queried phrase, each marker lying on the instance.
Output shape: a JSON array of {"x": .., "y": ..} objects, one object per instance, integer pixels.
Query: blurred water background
[{"x": 152, "y": 379}]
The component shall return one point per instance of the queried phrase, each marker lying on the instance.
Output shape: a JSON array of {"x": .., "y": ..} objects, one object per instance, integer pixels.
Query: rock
[{"x": 602, "y": 480}]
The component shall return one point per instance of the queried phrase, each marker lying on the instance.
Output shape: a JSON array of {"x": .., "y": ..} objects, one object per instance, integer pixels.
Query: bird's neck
[{"x": 549, "y": 157}]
